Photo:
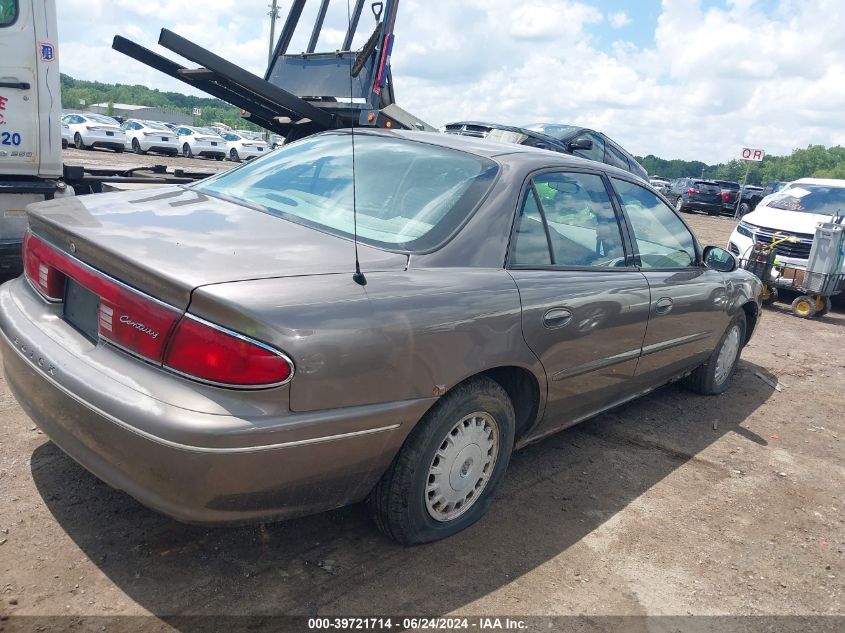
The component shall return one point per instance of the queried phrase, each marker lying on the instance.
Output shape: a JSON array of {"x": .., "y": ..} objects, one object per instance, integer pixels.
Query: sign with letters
[{"x": 749, "y": 153}]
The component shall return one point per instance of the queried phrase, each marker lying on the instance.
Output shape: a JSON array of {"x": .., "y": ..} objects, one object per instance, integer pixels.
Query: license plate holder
[{"x": 81, "y": 309}]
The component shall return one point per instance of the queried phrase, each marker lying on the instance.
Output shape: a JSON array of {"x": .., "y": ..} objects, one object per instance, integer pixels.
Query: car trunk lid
[{"x": 167, "y": 242}]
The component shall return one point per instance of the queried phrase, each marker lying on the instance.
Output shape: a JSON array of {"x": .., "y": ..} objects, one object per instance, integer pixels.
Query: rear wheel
[
  {"x": 443, "y": 479},
  {"x": 77, "y": 141},
  {"x": 714, "y": 376},
  {"x": 679, "y": 205},
  {"x": 744, "y": 208},
  {"x": 822, "y": 305},
  {"x": 804, "y": 307}
]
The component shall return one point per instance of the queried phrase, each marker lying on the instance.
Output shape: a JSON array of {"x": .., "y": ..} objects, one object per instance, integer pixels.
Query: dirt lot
[{"x": 675, "y": 504}]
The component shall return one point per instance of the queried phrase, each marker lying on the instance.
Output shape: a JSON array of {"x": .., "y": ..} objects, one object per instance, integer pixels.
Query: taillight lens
[
  {"x": 202, "y": 350},
  {"x": 725, "y": 197},
  {"x": 39, "y": 267},
  {"x": 692, "y": 190}
]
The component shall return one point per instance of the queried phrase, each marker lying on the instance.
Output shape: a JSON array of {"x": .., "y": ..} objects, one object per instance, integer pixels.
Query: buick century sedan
[{"x": 208, "y": 349}]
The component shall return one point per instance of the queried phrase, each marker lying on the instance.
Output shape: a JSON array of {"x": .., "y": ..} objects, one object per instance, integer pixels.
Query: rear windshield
[
  {"x": 729, "y": 185},
  {"x": 8, "y": 12},
  {"x": 155, "y": 125},
  {"x": 707, "y": 186},
  {"x": 820, "y": 199},
  {"x": 98, "y": 118},
  {"x": 409, "y": 195},
  {"x": 206, "y": 130}
]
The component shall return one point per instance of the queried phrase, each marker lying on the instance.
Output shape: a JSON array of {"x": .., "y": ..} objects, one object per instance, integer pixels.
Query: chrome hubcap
[
  {"x": 727, "y": 355},
  {"x": 462, "y": 466}
]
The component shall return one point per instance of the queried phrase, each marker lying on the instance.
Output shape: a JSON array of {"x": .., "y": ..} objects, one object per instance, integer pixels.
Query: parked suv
[
  {"x": 794, "y": 212},
  {"x": 568, "y": 139},
  {"x": 730, "y": 192},
  {"x": 689, "y": 194}
]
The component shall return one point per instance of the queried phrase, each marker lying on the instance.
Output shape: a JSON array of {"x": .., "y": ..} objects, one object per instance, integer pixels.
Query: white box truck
[{"x": 31, "y": 166}]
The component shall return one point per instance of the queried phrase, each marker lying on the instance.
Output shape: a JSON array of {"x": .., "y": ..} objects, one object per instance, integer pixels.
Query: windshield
[
  {"x": 560, "y": 132},
  {"x": 409, "y": 195},
  {"x": 98, "y": 118},
  {"x": 821, "y": 199}
]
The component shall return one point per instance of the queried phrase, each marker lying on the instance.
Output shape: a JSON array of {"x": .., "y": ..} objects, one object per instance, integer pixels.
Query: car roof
[
  {"x": 827, "y": 182},
  {"x": 523, "y": 155}
]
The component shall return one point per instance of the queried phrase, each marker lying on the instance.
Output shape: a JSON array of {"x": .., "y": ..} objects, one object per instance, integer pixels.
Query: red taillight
[
  {"x": 145, "y": 326},
  {"x": 692, "y": 190},
  {"x": 38, "y": 263},
  {"x": 726, "y": 197},
  {"x": 213, "y": 354}
]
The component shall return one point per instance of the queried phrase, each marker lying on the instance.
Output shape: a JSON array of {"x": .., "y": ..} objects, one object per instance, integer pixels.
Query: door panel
[
  {"x": 590, "y": 355},
  {"x": 689, "y": 303}
]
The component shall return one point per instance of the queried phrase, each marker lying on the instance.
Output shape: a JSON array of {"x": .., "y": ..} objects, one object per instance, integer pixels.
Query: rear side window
[
  {"x": 8, "y": 12},
  {"x": 571, "y": 214},
  {"x": 616, "y": 158}
]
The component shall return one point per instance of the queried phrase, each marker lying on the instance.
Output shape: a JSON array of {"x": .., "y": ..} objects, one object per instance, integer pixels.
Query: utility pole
[{"x": 274, "y": 15}]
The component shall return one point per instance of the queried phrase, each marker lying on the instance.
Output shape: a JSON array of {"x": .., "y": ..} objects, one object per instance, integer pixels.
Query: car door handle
[
  {"x": 663, "y": 306},
  {"x": 556, "y": 317},
  {"x": 18, "y": 85}
]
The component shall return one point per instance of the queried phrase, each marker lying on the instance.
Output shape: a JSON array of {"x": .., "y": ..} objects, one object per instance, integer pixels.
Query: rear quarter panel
[{"x": 400, "y": 337}]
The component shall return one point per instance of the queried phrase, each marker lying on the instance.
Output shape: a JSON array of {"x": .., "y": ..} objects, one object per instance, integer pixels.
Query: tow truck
[{"x": 300, "y": 94}]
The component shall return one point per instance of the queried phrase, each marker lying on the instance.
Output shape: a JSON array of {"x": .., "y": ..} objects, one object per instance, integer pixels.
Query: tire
[
  {"x": 770, "y": 295},
  {"x": 233, "y": 156},
  {"x": 64, "y": 143},
  {"x": 744, "y": 208},
  {"x": 822, "y": 305},
  {"x": 804, "y": 307},
  {"x": 220, "y": 156},
  {"x": 186, "y": 151},
  {"x": 714, "y": 376},
  {"x": 136, "y": 147},
  {"x": 403, "y": 506},
  {"x": 679, "y": 205},
  {"x": 77, "y": 141}
]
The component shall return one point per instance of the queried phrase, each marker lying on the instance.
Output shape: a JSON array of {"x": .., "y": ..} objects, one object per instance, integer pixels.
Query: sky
[{"x": 690, "y": 79}]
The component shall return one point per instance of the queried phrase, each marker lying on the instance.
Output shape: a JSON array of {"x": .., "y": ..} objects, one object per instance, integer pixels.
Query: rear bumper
[
  {"x": 195, "y": 467},
  {"x": 710, "y": 207}
]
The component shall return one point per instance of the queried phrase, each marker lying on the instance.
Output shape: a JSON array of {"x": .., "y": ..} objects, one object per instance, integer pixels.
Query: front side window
[
  {"x": 8, "y": 12},
  {"x": 616, "y": 158},
  {"x": 595, "y": 153},
  {"x": 409, "y": 195},
  {"x": 572, "y": 212},
  {"x": 662, "y": 239}
]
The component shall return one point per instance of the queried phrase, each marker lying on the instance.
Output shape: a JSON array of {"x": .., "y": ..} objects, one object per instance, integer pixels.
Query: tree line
[
  {"x": 91, "y": 92},
  {"x": 815, "y": 161}
]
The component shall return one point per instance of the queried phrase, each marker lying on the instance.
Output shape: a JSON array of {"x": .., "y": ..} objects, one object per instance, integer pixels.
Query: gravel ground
[
  {"x": 674, "y": 504},
  {"x": 107, "y": 159}
]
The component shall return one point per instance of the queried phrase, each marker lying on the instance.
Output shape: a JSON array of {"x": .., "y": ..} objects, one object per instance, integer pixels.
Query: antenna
[{"x": 358, "y": 277}]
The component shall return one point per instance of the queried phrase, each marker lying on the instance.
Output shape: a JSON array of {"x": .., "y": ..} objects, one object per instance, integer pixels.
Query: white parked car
[
  {"x": 150, "y": 136},
  {"x": 243, "y": 145},
  {"x": 67, "y": 135},
  {"x": 95, "y": 130},
  {"x": 276, "y": 141},
  {"x": 201, "y": 141},
  {"x": 794, "y": 212}
]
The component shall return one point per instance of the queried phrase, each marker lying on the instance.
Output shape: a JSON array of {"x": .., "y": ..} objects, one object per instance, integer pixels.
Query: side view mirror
[
  {"x": 581, "y": 142},
  {"x": 719, "y": 259}
]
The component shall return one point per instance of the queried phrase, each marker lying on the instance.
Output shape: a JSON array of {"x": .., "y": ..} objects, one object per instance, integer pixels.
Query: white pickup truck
[{"x": 31, "y": 166}]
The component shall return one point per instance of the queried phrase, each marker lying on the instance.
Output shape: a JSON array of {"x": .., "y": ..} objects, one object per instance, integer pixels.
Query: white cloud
[
  {"x": 711, "y": 81},
  {"x": 618, "y": 19}
]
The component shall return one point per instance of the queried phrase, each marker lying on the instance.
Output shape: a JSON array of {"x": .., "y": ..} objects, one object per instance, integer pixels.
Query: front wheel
[
  {"x": 233, "y": 156},
  {"x": 769, "y": 295},
  {"x": 744, "y": 209},
  {"x": 444, "y": 477},
  {"x": 714, "y": 376},
  {"x": 77, "y": 141},
  {"x": 136, "y": 147},
  {"x": 679, "y": 205}
]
